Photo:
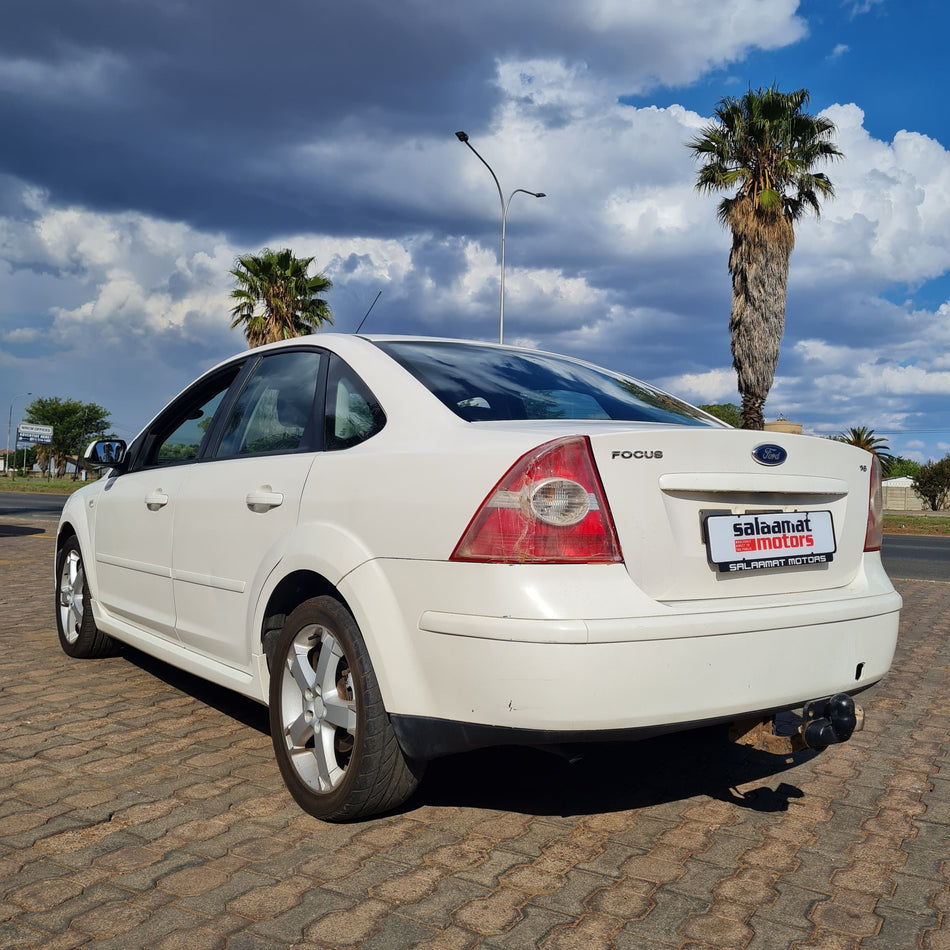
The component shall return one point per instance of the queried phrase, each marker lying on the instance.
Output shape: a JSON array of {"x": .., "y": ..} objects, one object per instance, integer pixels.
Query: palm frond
[
  {"x": 762, "y": 144},
  {"x": 276, "y": 297}
]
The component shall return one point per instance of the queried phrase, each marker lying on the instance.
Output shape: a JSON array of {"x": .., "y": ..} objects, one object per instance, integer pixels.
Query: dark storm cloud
[
  {"x": 192, "y": 110},
  {"x": 186, "y": 110}
]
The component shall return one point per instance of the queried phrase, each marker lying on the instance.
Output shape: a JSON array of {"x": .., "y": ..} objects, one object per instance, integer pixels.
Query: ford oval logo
[{"x": 768, "y": 454}]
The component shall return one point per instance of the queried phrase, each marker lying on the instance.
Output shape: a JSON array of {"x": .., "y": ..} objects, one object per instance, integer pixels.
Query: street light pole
[
  {"x": 9, "y": 425},
  {"x": 463, "y": 138}
]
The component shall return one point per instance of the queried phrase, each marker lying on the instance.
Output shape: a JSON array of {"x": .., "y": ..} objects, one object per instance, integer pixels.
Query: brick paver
[{"x": 141, "y": 807}]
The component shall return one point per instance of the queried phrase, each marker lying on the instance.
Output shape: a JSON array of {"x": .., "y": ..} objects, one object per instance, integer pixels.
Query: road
[
  {"x": 917, "y": 557},
  {"x": 15, "y": 504}
]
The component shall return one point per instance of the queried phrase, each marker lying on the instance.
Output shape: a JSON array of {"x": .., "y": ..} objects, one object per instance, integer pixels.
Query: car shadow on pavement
[
  {"x": 612, "y": 776},
  {"x": 579, "y": 779},
  {"x": 246, "y": 711},
  {"x": 20, "y": 530}
]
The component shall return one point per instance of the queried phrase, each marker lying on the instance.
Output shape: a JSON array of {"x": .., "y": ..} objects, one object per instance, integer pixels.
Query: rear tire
[
  {"x": 78, "y": 635},
  {"x": 334, "y": 743}
]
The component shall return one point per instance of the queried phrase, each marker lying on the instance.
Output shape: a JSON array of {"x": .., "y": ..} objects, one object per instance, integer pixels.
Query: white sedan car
[{"x": 413, "y": 547}]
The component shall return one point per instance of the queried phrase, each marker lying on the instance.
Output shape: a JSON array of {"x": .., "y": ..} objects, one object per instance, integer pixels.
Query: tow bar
[{"x": 824, "y": 722}]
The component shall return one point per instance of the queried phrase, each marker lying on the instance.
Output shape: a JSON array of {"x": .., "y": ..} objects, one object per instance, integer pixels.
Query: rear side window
[
  {"x": 496, "y": 383},
  {"x": 353, "y": 415}
]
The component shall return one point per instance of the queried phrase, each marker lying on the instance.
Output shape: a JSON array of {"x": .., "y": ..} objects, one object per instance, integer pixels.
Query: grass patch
[
  {"x": 934, "y": 524},
  {"x": 48, "y": 486}
]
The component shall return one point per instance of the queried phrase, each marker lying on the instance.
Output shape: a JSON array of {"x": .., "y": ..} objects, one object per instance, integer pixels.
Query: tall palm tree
[
  {"x": 765, "y": 146},
  {"x": 276, "y": 298},
  {"x": 865, "y": 438}
]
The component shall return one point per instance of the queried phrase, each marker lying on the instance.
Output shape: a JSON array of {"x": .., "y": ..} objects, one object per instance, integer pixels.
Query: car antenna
[{"x": 365, "y": 315}]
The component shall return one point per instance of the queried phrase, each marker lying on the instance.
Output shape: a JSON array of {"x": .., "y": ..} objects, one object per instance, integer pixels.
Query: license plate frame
[{"x": 759, "y": 540}]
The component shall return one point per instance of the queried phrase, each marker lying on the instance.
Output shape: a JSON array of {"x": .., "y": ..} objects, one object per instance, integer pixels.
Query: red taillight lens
[
  {"x": 874, "y": 537},
  {"x": 549, "y": 508}
]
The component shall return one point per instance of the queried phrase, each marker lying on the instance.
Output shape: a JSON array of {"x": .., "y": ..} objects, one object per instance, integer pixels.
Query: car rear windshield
[{"x": 489, "y": 383}]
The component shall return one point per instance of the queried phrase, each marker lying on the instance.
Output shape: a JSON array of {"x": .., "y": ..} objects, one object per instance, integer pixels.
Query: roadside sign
[{"x": 28, "y": 432}]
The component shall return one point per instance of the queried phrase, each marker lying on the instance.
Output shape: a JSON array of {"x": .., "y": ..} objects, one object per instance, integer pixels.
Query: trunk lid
[{"x": 662, "y": 484}]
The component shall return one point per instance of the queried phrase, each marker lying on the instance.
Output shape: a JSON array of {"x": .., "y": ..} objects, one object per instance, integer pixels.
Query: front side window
[
  {"x": 495, "y": 383},
  {"x": 180, "y": 433},
  {"x": 274, "y": 411}
]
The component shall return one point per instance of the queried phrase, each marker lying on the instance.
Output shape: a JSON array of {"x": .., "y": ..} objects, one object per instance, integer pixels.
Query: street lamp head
[
  {"x": 539, "y": 194},
  {"x": 461, "y": 136}
]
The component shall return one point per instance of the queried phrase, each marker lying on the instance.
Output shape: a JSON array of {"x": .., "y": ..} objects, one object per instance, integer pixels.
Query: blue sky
[
  {"x": 147, "y": 144},
  {"x": 883, "y": 55}
]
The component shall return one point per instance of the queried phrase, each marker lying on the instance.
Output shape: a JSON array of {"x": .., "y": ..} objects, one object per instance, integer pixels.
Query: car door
[
  {"x": 136, "y": 509},
  {"x": 238, "y": 509}
]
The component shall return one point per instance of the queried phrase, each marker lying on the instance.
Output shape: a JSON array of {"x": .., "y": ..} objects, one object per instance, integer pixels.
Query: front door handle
[
  {"x": 156, "y": 499},
  {"x": 263, "y": 499}
]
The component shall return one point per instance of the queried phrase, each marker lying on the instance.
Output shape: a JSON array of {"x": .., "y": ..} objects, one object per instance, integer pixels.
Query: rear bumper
[
  {"x": 426, "y": 738},
  {"x": 453, "y": 680}
]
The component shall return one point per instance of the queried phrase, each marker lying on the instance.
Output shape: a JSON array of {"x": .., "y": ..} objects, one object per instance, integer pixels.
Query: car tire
[
  {"x": 334, "y": 743},
  {"x": 78, "y": 635}
]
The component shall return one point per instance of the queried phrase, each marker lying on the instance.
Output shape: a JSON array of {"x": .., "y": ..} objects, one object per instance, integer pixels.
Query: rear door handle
[
  {"x": 263, "y": 499},
  {"x": 156, "y": 499}
]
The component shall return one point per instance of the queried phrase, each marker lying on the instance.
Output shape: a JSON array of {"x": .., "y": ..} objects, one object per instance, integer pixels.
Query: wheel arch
[
  {"x": 63, "y": 534},
  {"x": 77, "y": 521},
  {"x": 291, "y": 591},
  {"x": 311, "y": 562}
]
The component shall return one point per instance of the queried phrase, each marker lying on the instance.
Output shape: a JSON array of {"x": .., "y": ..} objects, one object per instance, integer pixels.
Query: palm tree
[
  {"x": 865, "y": 438},
  {"x": 276, "y": 299},
  {"x": 766, "y": 146}
]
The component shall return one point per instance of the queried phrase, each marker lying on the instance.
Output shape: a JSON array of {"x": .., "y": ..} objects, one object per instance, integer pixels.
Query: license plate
[{"x": 765, "y": 540}]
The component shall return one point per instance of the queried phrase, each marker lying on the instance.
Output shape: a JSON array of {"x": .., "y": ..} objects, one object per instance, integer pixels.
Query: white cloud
[
  {"x": 22, "y": 335},
  {"x": 890, "y": 219},
  {"x": 859, "y": 7},
  {"x": 676, "y": 42},
  {"x": 712, "y": 386},
  {"x": 81, "y": 74}
]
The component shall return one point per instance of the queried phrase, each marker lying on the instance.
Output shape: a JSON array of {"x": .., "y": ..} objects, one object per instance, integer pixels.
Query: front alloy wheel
[
  {"x": 78, "y": 634},
  {"x": 332, "y": 737}
]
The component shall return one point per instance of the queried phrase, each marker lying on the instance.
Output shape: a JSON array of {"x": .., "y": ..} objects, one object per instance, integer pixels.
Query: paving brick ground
[{"x": 142, "y": 808}]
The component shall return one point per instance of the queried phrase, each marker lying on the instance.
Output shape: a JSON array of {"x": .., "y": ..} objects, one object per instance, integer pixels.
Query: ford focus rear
[{"x": 409, "y": 548}]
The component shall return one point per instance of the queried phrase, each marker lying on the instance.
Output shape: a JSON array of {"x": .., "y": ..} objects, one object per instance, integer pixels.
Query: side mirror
[{"x": 106, "y": 453}]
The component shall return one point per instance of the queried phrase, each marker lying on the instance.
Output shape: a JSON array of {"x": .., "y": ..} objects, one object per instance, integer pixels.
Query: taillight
[
  {"x": 549, "y": 508},
  {"x": 875, "y": 533}
]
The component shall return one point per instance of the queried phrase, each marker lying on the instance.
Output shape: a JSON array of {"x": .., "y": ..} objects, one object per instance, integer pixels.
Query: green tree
[
  {"x": 23, "y": 458},
  {"x": 901, "y": 466},
  {"x": 865, "y": 438},
  {"x": 728, "y": 412},
  {"x": 75, "y": 424},
  {"x": 765, "y": 146},
  {"x": 933, "y": 483},
  {"x": 276, "y": 298}
]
